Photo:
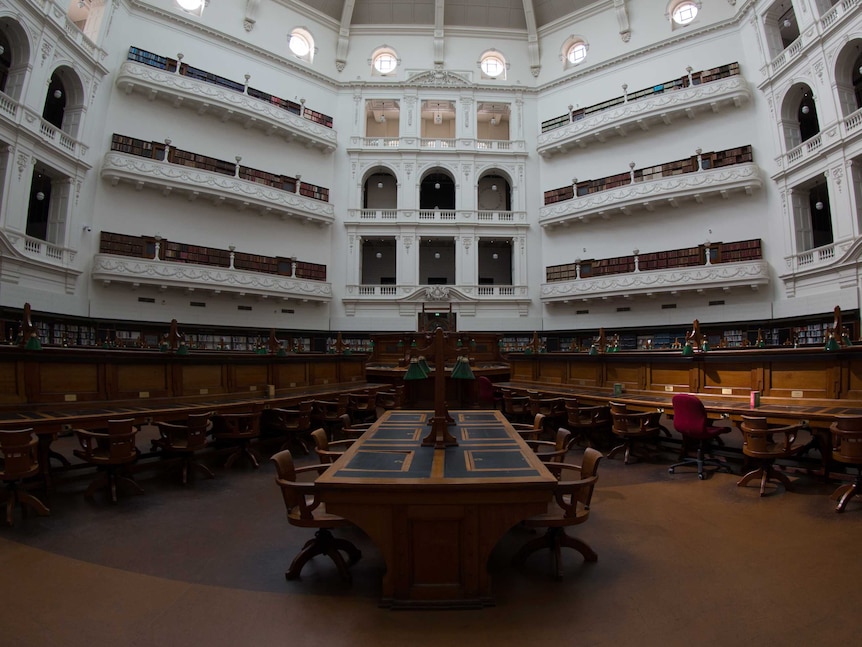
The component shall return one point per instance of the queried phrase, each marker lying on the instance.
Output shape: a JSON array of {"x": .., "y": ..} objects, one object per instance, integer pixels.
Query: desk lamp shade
[
  {"x": 461, "y": 370},
  {"x": 424, "y": 365},
  {"x": 414, "y": 371}
]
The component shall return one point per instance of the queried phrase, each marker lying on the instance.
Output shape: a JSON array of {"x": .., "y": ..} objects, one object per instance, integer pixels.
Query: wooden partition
[
  {"x": 789, "y": 376},
  {"x": 67, "y": 375}
]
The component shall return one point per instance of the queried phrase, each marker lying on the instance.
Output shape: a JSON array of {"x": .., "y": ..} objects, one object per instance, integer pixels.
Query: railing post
[
  {"x": 689, "y": 70},
  {"x": 571, "y": 114},
  {"x": 157, "y": 246},
  {"x": 636, "y": 252},
  {"x": 699, "y": 159},
  {"x": 238, "y": 159},
  {"x": 245, "y": 89},
  {"x": 625, "y": 92},
  {"x": 632, "y": 171},
  {"x": 232, "y": 256},
  {"x": 179, "y": 62}
]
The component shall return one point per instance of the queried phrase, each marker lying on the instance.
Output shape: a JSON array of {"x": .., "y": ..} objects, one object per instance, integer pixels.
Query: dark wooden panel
[
  {"x": 323, "y": 372},
  {"x": 248, "y": 375},
  {"x": 202, "y": 378},
  {"x": 719, "y": 377},
  {"x": 132, "y": 379},
  {"x": 294, "y": 374},
  {"x": 68, "y": 378},
  {"x": 11, "y": 383},
  {"x": 553, "y": 371},
  {"x": 802, "y": 379}
]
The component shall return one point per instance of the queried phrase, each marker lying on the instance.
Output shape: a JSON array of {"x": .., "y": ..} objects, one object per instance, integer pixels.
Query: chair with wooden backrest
[
  {"x": 391, "y": 398},
  {"x": 552, "y": 407},
  {"x": 291, "y": 426},
  {"x": 363, "y": 406},
  {"x": 530, "y": 431},
  {"x": 185, "y": 440},
  {"x": 759, "y": 442},
  {"x": 690, "y": 420},
  {"x": 588, "y": 424},
  {"x": 328, "y": 451},
  {"x": 304, "y": 510},
  {"x": 238, "y": 431},
  {"x": 327, "y": 413},
  {"x": 847, "y": 449},
  {"x": 485, "y": 393},
  {"x": 353, "y": 431},
  {"x": 633, "y": 429},
  {"x": 552, "y": 451},
  {"x": 516, "y": 407},
  {"x": 570, "y": 507},
  {"x": 19, "y": 460},
  {"x": 111, "y": 452}
]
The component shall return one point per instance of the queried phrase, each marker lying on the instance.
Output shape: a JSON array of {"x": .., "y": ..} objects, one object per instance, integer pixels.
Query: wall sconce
[
  {"x": 379, "y": 255},
  {"x": 495, "y": 256},
  {"x": 40, "y": 196},
  {"x": 818, "y": 205},
  {"x": 787, "y": 22},
  {"x": 382, "y": 119},
  {"x": 437, "y": 255},
  {"x": 380, "y": 185},
  {"x": 436, "y": 185},
  {"x": 805, "y": 110},
  {"x": 493, "y": 187},
  {"x": 58, "y": 94},
  {"x": 493, "y": 121}
]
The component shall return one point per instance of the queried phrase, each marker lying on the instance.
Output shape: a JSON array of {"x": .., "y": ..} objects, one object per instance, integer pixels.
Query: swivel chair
[{"x": 689, "y": 419}]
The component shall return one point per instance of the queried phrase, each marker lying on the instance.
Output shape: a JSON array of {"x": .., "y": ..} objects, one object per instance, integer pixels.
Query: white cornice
[
  {"x": 725, "y": 276},
  {"x": 108, "y": 268}
]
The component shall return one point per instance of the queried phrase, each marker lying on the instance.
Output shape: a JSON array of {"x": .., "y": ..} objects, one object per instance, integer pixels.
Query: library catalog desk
[{"x": 436, "y": 514}]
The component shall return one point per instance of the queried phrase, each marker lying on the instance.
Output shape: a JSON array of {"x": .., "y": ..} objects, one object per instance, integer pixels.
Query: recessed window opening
[{"x": 684, "y": 13}]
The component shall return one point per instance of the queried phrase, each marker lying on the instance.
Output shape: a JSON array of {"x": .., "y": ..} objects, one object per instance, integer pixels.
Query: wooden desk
[{"x": 436, "y": 514}]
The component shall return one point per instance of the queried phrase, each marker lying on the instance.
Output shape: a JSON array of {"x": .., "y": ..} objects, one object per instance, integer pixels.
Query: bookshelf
[
  {"x": 177, "y": 252},
  {"x": 735, "y": 252},
  {"x": 729, "y": 157},
  {"x": 170, "y": 65},
  {"x": 703, "y": 76}
]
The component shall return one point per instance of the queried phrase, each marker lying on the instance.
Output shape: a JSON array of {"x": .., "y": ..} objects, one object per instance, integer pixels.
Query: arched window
[
  {"x": 574, "y": 51},
  {"x": 493, "y": 65},
  {"x": 384, "y": 61},
  {"x": 301, "y": 44}
]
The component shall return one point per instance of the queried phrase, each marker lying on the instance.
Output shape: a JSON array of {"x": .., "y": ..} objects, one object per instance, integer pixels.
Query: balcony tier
[
  {"x": 42, "y": 131},
  {"x": 407, "y": 298},
  {"x": 221, "y": 189},
  {"x": 225, "y": 104},
  {"x": 432, "y": 145},
  {"x": 722, "y": 276},
  {"x": 22, "y": 255},
  {"x": 666, "y": 191},
  {"x": 109, "y": 268},
  {"x": 823, "y": 269},
  {"x": 441, "y": 216},
  {"x": 643, "y": 114}
]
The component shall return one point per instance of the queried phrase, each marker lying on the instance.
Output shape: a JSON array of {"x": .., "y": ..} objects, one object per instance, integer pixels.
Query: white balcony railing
[
  {"x": 221, "y": 189},
  {"x": 716, "y": 276},
  {"x": 643, "y": 114},
  {"x": 418, "y": 144},
  {"x": 458, "y": 216},
  {"x": 665, "y": 191},
  {"x": 812, "y": 258},
  {"x": 830, "y": 136},
  {"x": 227, "y": 105},
  {"x": 21, "y": 116},
  {"x": 421, "y": 292},
  {"x": 836, "y": 13},
  {"x": 110, "y": 268}
]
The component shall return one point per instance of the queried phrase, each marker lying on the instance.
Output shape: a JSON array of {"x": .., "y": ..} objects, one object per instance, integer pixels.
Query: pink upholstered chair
[{"x": 689, "y": 419}]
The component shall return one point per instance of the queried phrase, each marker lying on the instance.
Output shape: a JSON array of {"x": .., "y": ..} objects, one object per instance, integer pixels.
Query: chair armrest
[
  {"x": 343, "y": 444},
  {"x": 320, "y": 469}
]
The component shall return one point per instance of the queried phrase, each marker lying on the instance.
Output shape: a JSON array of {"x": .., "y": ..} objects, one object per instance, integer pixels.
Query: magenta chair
[{"x": 689, "y": 419}]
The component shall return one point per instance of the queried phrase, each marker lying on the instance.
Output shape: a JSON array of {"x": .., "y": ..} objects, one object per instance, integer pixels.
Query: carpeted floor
[{"x": 681, "y": 562}]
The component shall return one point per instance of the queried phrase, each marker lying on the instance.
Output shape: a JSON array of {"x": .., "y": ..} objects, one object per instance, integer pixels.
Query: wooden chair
[
  {"x": 326, "y": 450},
  {"x": 327, "y": 413},
  {"x": 238, "y": 431},
  {"x": 516, "y": 407},
  {"x": 570, "y": 507},
  {"x": 530, "y": 431},
  {"x": 353, "y": 431},
  {"x": 552, "y": 451},
  {"x": 590, "y": 425},
  {"x": 391, "y": 398},
  {"x": 690, "y": 420},
  {"x": 486, "y": 395},
  {"x": 758, "y": 442},
  {"x": 291, "y": 426},
  {"x": 19, "y": 460},
  {"x": 633, "y": 429},
  {"x": 305, "y": 510},
  {"x": 847, "y": 449},
  {"x": 362, "y": 407},
  {"x": 185, "y": 440},
  {"x": 553, "y": 408},
  {"x": 111, "y": 452}
]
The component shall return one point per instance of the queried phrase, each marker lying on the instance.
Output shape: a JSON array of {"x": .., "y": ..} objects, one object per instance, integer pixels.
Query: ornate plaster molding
[
  {"x": 108, "y": 268},
  {"x": 750, "y": 274},
  {"x": 168, "y": 177}
]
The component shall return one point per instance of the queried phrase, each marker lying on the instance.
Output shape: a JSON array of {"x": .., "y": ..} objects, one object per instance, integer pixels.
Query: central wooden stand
[{"x": 439, "y": 436}]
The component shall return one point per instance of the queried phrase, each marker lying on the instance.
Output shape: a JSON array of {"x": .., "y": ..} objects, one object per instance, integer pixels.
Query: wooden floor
[{"x": 681, "y": 562}]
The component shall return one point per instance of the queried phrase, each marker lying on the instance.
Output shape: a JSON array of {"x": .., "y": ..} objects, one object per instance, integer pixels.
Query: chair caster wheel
[
  {"x": 701, "y": 476},
  {"x": 670, "y": 470}
]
